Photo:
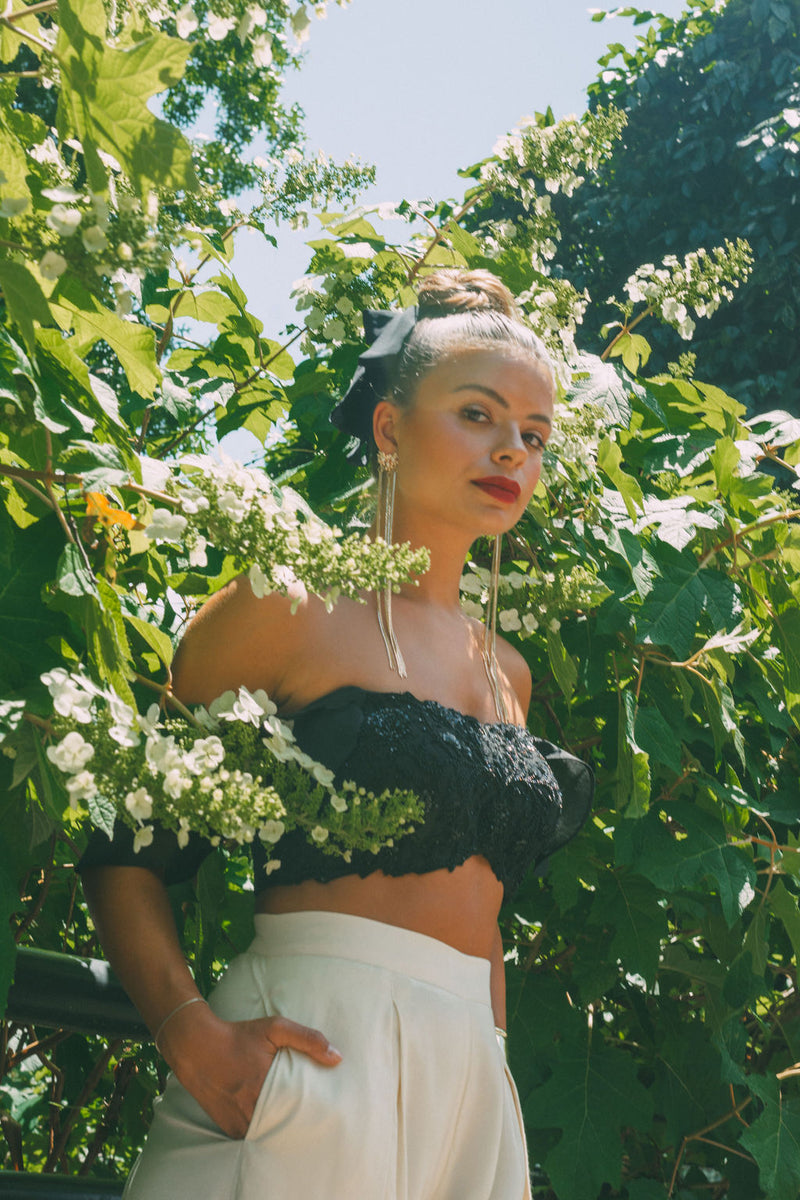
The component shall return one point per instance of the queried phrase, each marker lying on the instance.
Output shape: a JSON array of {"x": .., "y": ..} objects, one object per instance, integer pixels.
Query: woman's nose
[{"x": 510, "y": 448}]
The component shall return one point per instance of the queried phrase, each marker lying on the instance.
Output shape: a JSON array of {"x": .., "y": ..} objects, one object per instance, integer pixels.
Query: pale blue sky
[{"x": 422, "y": 88}]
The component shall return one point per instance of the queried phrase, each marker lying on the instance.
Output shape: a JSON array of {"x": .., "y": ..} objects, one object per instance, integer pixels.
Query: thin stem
[
  {"x": 165, "y": 690},
  {"x": 237, "y": 387},
  {"x": 42, "y": 6},
  {"x": 441, "y": 234},
  {"x": 48, "y": 483},
  {"x": 23, "y": 33},
  {"x": 626, "y": 329},
  {"x": 792, "y": 514}
]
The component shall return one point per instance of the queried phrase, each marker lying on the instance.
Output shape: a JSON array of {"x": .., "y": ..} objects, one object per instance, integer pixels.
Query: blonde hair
[{"x": 457, "y": 310}]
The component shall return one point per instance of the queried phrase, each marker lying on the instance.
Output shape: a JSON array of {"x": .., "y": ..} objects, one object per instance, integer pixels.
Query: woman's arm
[
  {"x": 235, "y": 640},
  {"x": 221, "y": 1063},
  {"x": 498, "y": 982}
]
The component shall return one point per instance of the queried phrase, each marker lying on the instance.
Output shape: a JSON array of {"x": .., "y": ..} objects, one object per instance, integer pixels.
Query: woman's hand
[{"x": 223, "y": 1064}]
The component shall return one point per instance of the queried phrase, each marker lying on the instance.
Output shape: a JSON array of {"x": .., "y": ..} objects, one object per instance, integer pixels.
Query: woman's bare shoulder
[
  {"x": 240, "y": 640},
  {"x": 517, "y": 672}
]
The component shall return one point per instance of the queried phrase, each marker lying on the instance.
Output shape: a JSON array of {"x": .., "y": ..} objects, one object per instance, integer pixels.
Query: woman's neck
[{"x": 439, "y": 585}]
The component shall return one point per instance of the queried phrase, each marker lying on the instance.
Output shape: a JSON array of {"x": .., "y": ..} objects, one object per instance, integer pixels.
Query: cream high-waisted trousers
[{"x": 421, "y": 1106}]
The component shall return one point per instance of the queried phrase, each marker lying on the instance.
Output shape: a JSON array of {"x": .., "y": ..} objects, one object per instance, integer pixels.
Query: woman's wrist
[{"x": 173, "y": 1013}]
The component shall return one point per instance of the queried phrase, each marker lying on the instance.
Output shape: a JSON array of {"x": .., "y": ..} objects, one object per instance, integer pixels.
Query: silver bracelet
[{"x": 170, "y": 1015}]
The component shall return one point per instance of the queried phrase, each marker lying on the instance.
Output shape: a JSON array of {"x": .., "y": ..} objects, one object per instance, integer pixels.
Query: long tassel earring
[
  {"x": 387, "y": 479},
  {"x": 489, "y": 651}
]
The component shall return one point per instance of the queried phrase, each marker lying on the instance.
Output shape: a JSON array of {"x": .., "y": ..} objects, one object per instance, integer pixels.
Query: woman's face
[{"x": 470, "y": 444}]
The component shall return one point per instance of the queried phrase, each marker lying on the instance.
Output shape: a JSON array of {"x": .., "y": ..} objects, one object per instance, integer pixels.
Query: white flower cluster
[
  {"x": 531, "y": 601},
  {"x": 272, "y": 533},
  {"x": 701, "y": 282},
  {"x": 554, "y": 310},
  {"x": 235, "y": 773}
]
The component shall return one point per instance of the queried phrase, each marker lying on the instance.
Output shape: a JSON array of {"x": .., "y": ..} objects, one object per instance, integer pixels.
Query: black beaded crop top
[{"x": 490, "y": 789}]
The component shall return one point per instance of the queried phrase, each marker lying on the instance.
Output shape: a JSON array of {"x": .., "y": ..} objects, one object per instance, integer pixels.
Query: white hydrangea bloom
[
  {"x": 63, "y": 219},
  {"x": 70, "y": 698},
  {"x": 262, "y": 50},
  {"x": 320, "y": 834},
  {"x": 143, "y": 837},
  {"x": 166, "y": 525},
  {"x": 52, "y": 265},
  {"x": 140, "y": 804},
  {"x": 175, "y": 783},
  {"x": 509, "y": 620},
  {"x": 148, "y": 722},
  {"x": 71, "y": 754},
  {"x": 219, "y": 27},
  {"x": 162, "y": 754},
  {"x": 206, "y": 755},
  {"x": 339, "y": 803},
  {"x": 233, "y": 505},
  {"x": 80, "y": 787},
  {"x": 271, "y": 831},
  {"x": 197, "y": 552},
  {"x": 258, "y": 582},
  {"x": 94, "y": 240}
]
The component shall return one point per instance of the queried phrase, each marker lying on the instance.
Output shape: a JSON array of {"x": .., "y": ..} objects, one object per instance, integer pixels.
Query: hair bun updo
[
  {"x": 450, "y": 290},
  {"x": 457, "y": 310}
]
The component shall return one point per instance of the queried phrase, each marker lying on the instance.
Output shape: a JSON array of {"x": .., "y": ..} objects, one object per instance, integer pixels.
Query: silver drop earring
[
  {"x": 387, "y": 479},
  {"x": 489, "y": 650}
]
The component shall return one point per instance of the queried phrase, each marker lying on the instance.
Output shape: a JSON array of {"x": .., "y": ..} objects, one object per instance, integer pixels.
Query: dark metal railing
[{"x": 83, "y": 996}]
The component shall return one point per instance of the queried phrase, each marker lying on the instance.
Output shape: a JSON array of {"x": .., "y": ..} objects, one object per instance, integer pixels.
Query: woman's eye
[
  {"x": 475, "y": 414},
  {"x": 534, "y": 439}
]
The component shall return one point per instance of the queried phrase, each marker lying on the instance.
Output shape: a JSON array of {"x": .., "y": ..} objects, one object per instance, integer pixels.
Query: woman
[{"x": 352, "y": 1050}]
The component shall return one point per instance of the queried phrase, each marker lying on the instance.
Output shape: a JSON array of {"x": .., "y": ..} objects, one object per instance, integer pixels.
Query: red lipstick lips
[{"x": 499, "y": 487}]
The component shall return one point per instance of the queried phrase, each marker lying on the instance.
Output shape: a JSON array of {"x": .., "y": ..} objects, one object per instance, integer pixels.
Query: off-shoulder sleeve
[
  {"x": 575, "y": 780},
  {"x": 163, "y": 856}
]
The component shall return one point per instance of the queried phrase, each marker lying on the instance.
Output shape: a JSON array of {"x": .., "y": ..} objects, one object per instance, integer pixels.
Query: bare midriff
[{"x": 458, "y": 907}]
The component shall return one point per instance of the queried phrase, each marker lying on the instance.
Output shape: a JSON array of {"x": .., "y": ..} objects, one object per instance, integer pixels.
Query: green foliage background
[
  {"x": 653, "y": 587},
  {"x": 710, "y": 151}
]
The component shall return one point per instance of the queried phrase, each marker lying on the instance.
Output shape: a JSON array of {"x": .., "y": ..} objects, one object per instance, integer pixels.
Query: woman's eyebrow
[{"x": 493, "y": 395}]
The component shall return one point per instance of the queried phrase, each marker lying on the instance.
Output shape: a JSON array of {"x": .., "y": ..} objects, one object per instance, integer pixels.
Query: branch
[
  {"x": 625, "y": 330},
  {"x": 441, "y": 234},
  {"x": 792, "y": 514},
  {"x": 43, "y": 6},
  {"x": 165, "y": 690},
  {"x": 21, "y": 474}
]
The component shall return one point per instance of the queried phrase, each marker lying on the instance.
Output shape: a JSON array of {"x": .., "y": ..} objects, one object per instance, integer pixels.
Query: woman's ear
[{"x": 384, "y": 426}]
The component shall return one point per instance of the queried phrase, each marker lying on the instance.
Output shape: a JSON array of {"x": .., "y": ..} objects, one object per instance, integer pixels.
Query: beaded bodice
[{"x": 488, "y": 788}]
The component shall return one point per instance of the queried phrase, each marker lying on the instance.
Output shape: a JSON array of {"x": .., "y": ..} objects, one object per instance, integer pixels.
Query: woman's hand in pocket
[{"x": 223, "y": 1064}]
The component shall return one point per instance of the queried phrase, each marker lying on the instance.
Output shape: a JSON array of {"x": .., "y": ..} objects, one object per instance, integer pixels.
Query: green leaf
[
  {"x": 678, "y": 601},
  {"x": 633, "y": 764},
  {"x": 25, "y": 299},
  {"x": 784, "y": 904},
  {"x": 591, "y": 1095},
  {"x": 673, "y": 862},
  {"x": 630, "y": 904},
  {"x": 102, "y": 813},
  {"x": 633, "y": 349},
  {"x": 564, "y": 667},
  {"x": 609, "y": 457},
  {"x": 104, "y": 94},
  {"x": 133, "y": 344},
  {"x": 725, "y": 458},
  {"x": 774, "y": 1140},
  {"x": 595, "y": 382},
  {"x": 657, "y": 739},
  {"x": 155, "y": 637},
  {"x": 73, "y": 576},
  {"x": 25, "y": 623},
  {"x": 9, "y": 902}
]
